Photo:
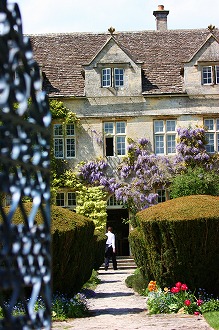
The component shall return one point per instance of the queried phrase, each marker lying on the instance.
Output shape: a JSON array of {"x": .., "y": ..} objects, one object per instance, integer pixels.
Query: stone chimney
[{"x": 161, "y": 18}]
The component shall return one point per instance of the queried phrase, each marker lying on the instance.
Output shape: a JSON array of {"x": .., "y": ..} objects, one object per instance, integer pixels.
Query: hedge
[
  {"x": 76, "y": 249},
  {"x": 181, "y": 242}
]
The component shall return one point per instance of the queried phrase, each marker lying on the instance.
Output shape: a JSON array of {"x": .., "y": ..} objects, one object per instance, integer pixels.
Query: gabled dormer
[
  {"x": 201, "y": 72},
  {"x": 112, "y": 72}
]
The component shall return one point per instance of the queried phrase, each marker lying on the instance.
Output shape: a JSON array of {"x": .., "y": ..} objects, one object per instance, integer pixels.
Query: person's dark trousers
[{"x": 109, "y": 254}]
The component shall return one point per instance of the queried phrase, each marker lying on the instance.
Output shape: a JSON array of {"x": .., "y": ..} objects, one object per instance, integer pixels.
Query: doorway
[{"x": 115, "y": 218}]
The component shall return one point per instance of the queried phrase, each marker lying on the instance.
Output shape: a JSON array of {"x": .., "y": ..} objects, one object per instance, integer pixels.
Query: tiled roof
[{"x": 62, "y": 56}]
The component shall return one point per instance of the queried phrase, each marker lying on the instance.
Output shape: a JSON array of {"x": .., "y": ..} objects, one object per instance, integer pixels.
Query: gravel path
[{"x": 117, "y": 307}]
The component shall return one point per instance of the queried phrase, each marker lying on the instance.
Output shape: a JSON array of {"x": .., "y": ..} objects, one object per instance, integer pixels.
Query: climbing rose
[{"x": 178, "y": 285}]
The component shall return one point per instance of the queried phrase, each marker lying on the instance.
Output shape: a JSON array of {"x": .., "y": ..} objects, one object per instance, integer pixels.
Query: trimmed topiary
[
  {"x": 76, "y": 249},
  {"x": 182, "y": 242}
]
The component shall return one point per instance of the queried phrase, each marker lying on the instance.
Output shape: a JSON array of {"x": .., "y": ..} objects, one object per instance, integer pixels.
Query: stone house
[{"x": 130, "y": 84}]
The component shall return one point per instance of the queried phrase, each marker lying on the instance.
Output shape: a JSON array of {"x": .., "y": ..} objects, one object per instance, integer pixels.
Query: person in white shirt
[{"x": 110, "y": 251}]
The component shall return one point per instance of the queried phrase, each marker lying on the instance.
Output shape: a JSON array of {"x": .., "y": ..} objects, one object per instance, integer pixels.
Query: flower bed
[{"x": 179, "y": 299}]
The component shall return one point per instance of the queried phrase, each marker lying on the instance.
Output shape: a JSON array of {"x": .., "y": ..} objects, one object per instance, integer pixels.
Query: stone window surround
[{"x": 64, "y": 138}]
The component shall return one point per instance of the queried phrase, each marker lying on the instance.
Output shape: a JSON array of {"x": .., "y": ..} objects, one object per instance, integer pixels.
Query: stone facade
[{"x": 170, "y": 76}]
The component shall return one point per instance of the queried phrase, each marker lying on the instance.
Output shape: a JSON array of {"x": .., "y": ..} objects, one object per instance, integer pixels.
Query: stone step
[{"x": 123, "y": 262}]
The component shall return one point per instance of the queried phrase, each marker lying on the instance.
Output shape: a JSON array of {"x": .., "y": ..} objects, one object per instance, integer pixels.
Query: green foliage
[
  {"x": 211, "y": 305},
  {"x": 136, "y": 281},
  {"x": 181, "y": 241},
  {"x": 91, "y": 202},
  {"x": 73, "y": 243},
  {"x": 196, "y": 181},
  {"x": 93, "y": 281},
  {"x": 213, "y": 319},
  {"x": 139, "y": 251},
  {"x": 181, "y": 302},
  {"x": 64, "y": 308}
]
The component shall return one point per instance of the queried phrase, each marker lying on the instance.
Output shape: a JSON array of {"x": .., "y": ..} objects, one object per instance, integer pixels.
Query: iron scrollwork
[{"x": 25, "y": 256}]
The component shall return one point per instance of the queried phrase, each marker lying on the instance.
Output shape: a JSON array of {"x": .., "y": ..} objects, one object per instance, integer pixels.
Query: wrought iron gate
[{"x": 25, "y": 260}]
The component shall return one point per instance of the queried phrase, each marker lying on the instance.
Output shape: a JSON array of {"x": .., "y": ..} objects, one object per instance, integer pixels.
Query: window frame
[
  {"x": 116, "y": 136},
  {"x": 64, "y": 200},
  {"x": 212, "y": 77},
  {"x": 111, "y": 78},
  {"x": 62, "y": 141},
  {"x": 161, "y": 195},
  {"x": 213, "y": 133},
  {"x": 164, "y": 136}
]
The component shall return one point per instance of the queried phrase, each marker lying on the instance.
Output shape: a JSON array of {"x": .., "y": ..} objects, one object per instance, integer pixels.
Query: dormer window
[
  {"x": 112, "y": 77},
  {"x": 210, "y": 75}
]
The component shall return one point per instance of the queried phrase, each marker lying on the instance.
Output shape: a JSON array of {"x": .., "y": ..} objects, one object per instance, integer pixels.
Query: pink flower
[
  {"x": 199, "y": 302},
  {"x": 184, "y": 287},
  {"x": 196, "y": 313},
  {"x": 175, "y": 289},
  {"x": 187, "y": 302},
  {"x": 178, "y": 285}
]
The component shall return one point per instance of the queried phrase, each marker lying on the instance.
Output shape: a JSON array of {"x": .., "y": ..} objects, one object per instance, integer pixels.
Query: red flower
[
  {"x": 199, "y": 302},
  {"x": 178, "y": 285},
  {"x": 175, "y": 289},
  {"x": 184, "y": 287},
  {"x": 196, "y": 313},
  {"x": 187, "y": 302}
]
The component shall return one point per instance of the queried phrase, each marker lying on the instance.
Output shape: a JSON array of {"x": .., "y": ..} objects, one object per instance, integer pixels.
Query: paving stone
[{"x": 117, "y": 307}]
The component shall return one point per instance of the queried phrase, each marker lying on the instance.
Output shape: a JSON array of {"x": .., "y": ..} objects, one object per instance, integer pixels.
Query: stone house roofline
[
  {"x": 119, "y": 45},
  {"x": 211, "y": 35}
]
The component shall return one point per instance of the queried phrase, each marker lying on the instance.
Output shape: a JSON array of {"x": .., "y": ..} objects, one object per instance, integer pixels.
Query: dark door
[{"x": 115, "y": 219}]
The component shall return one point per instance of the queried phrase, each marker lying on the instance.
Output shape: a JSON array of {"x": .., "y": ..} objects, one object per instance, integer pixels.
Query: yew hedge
[
  {"x": 178, "y": 240},
  {"x": 76, "y": 247}
]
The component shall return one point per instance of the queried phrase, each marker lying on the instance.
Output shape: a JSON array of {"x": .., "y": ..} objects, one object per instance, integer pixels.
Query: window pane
[
  {"x": 119, "y": 77},
  {"x": 217, "y": 124},
  {"x": 210, "y": 145},
  {"x": 60, "y": 199},
  {"x": 120, "y": 141},
  {"x": 70, "y": 148},
  {"x": 217, "y": 136},
  {"x": 159, "y": 144},
  {"x": 217, "y": 74},
  {"x": 57, "y": 129},
  {"x": 161, "y": 195},
  {"x": 58, "y": 148},
  {"x": 70, "y": 129},
  {"x": 209, "y": 123},
  {"x": 106, "y": 77},
  {"x": 158, "y": 126},
  {"x": 71, "y": 199},
  {"x": 108, "y": 128},
  {"x": 120, "y": 145},
  {"x": 171, "y": 126},
  {"x": 207, "y": 75},
  {"x": 120, "y": 127},
  {"x": 171, "y": 144}
]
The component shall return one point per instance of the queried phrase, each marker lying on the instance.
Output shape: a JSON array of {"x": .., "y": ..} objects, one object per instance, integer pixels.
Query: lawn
[{"x": 213, "y": 319}]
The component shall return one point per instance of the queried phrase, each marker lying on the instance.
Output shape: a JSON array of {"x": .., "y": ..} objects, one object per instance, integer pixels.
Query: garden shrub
[
  {"x": 195, "y": 181},
  {"x": 136, "y": 281},
  {"x": 182, "y": 242},
  {"x": 76, "y": 249}
]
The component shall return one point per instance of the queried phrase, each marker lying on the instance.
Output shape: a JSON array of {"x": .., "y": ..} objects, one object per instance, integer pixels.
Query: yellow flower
[
  {"x": 166, "y": 290},
  {"x": 181, "y": 311}
]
